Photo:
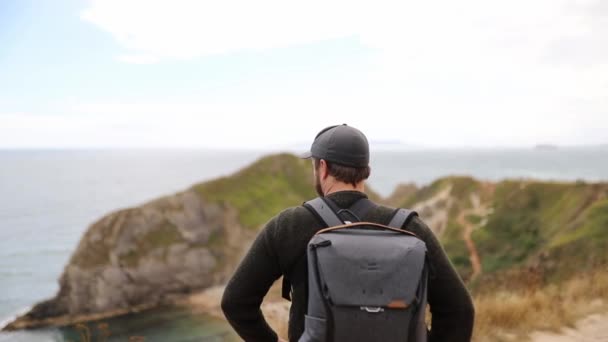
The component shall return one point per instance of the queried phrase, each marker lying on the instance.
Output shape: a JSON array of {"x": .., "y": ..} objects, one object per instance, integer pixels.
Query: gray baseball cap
[{"x": 341, "y": 144}]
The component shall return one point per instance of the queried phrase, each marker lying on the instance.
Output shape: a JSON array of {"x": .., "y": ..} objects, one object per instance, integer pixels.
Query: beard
[{"x": 318, "y": 188}]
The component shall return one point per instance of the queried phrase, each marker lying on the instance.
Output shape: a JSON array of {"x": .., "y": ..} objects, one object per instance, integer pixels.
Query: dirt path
[
  {"x": 593, "y": 328},
  {"x": 478, "y": 210},
  {"x": 434, "y": 211}
]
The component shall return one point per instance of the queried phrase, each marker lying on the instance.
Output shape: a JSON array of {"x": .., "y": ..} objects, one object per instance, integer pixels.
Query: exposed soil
[
  {"x": 478, "y": 210},
  {"x": 593, "y": 328}
]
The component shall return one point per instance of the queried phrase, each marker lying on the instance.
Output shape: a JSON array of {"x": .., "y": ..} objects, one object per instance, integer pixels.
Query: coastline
[
  {"x": 11, "y": 318},
  {"x": 21, "y": 322}
]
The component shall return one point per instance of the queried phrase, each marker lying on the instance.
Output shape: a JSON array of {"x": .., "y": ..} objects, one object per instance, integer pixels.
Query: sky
[{"x": 272, "y": 73}]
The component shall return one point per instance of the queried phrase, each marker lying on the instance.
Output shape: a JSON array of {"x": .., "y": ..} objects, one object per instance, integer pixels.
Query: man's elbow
[
  {"x": 469, "y": 311},
  {"x": 228, "y": 305}
]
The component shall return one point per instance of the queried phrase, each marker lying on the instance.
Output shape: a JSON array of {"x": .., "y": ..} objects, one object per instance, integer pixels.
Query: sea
[{"x": 48, "y": 198}]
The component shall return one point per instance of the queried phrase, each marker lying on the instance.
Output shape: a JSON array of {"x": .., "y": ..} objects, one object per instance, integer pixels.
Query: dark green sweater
[{"x": 280, "y": 249}]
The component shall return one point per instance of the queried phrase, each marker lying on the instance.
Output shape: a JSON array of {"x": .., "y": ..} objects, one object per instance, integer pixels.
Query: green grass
[
  {"x": 164, "y": 236},
  {"x": 422, "y": 194},
  {"x": 582, "y": 248},
  {"x": 595, "y": 227},
  {"x": 263, "y": 189},
  {"x": 462, "y": 187},
  {"x": 473, "y": 219},
  {"x": 558, "y": 226},
  {"x": 513, "y": 231},
  {"x": 456, "y": 249}
]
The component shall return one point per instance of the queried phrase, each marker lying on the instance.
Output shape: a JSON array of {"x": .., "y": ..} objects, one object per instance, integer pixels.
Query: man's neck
[{"x": 339, "y": 186}]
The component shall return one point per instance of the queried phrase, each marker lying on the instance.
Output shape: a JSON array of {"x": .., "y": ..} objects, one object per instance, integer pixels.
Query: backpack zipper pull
[{"x": 323, "y": 243}]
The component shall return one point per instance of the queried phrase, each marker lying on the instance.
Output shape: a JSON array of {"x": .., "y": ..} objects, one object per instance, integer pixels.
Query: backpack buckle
[{"x": 372, "y": 309}]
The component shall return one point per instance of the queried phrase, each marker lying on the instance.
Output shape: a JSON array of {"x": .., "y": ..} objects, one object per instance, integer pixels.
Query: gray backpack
[{"x": 366, "y": 281}]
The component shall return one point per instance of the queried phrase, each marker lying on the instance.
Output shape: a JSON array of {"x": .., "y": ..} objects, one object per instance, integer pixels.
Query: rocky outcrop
[{"x": 143, "y": 257}]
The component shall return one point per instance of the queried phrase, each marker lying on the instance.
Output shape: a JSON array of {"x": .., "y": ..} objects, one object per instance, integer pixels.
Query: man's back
[{"x": 280, "y": 249}]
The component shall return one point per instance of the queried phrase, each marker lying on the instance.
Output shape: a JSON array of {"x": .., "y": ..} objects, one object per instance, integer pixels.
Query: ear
[{"x": 323, "y": 171}]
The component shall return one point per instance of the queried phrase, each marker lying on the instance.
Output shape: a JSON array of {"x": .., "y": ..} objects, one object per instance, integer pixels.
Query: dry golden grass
[{"x": 505, "y": 315}]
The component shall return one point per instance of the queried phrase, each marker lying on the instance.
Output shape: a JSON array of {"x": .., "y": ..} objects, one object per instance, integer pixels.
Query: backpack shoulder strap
[
  {"x": 400, "y": 217},
  {"x": 324, "y": 211}
]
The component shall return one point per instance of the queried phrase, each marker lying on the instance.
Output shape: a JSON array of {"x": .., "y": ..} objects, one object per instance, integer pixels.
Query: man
[{"x": 341, "y": 165}]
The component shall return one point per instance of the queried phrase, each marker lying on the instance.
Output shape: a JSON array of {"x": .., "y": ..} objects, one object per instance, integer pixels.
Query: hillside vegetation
[
  {"x": 560, "y": 228},
  {"x": 263, "y": 189},
  {"x": 541, "y": 248}
]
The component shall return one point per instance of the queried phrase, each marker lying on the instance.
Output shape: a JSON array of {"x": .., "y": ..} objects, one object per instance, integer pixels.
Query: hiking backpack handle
[{"x": 366, "y": 224}]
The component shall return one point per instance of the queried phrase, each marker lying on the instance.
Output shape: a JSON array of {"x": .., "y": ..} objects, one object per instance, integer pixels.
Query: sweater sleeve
[
  {"x": 451, "y": 305},
  {"x": 246, "y": 289}
]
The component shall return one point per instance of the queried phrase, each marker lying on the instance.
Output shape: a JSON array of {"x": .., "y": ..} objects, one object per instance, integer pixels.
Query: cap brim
[{"x": 306, "y": 155}]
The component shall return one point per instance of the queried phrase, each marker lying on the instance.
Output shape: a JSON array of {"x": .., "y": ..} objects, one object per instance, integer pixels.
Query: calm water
[{"x": 48, "y": 198}]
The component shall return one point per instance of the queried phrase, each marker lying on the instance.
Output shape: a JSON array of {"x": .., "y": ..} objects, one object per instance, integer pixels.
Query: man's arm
[
  {"x": 248, "y": 286},
  {"x": 451, "y": 305}
]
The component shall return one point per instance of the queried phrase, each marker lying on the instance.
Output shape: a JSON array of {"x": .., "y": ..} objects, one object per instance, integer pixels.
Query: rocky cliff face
[{"x": 141, "y": 257}]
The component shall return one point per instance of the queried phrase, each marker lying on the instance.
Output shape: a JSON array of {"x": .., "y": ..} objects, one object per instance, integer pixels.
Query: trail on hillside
[
  {"x": 434, "y": 211},
  {"x": 593, "y": 328},
  {"x": 480, "y": 211}
]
